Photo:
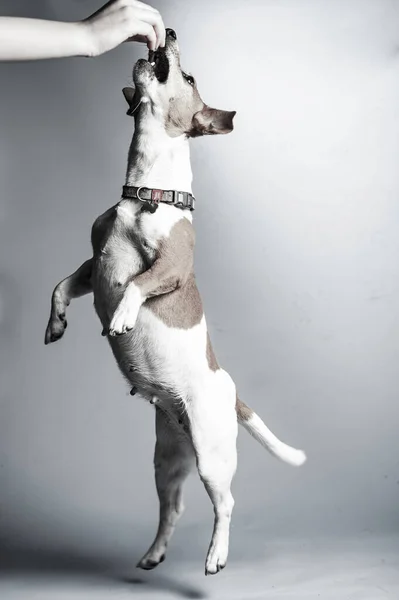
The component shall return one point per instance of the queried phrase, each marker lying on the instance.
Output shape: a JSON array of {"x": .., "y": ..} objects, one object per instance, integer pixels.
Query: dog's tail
[{"x": 256, "y": 427}]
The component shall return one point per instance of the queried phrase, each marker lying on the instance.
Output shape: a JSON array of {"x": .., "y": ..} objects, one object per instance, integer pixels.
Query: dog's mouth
[{"x": 160, "y": 64}]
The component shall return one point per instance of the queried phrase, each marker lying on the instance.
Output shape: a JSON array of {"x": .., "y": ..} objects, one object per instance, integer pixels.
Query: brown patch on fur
[
  {"x": 180, "y": 115},
  {"x": 210, "y": 355},
  {"x": 169, "y": 285},
  {"x": 244, "y": 413},
  {"x": 181, "y": 309}
]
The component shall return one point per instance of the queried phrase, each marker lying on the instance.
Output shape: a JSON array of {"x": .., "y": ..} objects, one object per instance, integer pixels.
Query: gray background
[{"x": 297, "y": 260}]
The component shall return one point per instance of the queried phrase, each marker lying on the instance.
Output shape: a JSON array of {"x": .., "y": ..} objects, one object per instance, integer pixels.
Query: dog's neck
[{"x": 157, "y": 160}]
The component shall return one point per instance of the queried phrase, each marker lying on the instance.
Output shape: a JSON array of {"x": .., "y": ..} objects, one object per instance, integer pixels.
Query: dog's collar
[{"x": 152, "y": 197}]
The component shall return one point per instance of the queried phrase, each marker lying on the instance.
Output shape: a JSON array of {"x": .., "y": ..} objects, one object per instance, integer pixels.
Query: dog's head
[{"x": 171, "y": 95}]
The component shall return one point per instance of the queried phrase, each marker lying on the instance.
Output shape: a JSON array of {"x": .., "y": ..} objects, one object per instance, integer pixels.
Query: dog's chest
[
  {"x": 125, "y": 240},
  {"x": 120, "y": 245}
]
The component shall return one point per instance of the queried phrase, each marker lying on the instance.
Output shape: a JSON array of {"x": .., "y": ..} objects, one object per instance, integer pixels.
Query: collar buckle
[{"x": 138, "y": 193}]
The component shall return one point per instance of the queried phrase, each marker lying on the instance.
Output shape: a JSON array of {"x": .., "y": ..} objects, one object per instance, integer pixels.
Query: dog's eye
[{"x": 188, "y": 78}]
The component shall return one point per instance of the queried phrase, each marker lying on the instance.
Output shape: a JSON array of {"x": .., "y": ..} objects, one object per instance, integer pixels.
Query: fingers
[
  {"x": 153, "y": 18},
  {"x": 148, "y": 33},
  {"x": 139, "y": 11},
  {"x": 123, "y": 20}
]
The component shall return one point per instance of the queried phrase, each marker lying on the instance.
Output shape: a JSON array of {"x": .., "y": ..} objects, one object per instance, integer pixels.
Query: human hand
[{"x": 123, "y": 20}]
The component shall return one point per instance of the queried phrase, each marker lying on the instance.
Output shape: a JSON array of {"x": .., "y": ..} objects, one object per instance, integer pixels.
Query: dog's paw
[
  {"x": 55, "y": 328},
  {"x": 216, "y": 559},
  {"x": 149, "y": 562},
  {"x": 123, "y": 321},
  {"x": 126, "y": 314}
]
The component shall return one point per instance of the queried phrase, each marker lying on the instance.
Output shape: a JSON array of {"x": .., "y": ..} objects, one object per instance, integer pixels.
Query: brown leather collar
[{"x": 152, "y": 197}]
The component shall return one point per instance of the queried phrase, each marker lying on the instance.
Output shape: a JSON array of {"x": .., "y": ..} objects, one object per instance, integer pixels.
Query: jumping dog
[{"x": 145, "y": 294}]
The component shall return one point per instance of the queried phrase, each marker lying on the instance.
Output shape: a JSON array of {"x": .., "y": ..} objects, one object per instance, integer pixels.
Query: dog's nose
[{"x": 171, "y": 33}]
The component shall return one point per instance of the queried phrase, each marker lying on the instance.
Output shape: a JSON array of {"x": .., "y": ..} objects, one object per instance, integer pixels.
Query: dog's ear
[
  {"x": 209, "y": 121},
  {"x": 131, "y": 99}
]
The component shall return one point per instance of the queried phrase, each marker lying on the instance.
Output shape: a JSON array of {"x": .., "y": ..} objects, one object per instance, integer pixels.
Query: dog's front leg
[
  {"x": 75, "y": 285},
  {"x": 163, "y": 277}
]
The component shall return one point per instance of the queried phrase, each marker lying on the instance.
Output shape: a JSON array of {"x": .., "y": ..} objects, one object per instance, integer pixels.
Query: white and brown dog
[{"x": 141, "y": 275}]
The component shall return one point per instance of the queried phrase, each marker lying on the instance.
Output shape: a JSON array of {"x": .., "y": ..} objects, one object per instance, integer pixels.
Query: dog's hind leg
[
  {"x": 75, "y": 285},
  {"x": 213, "y": 425},
  {"x": 173, "y": 460}
]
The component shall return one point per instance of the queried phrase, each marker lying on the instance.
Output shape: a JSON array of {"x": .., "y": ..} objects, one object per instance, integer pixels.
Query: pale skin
[{"x": 116, "y": 22}]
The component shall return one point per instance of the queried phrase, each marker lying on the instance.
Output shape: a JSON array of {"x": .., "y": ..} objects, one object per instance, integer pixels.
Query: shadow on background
[{"x": 73, "y": 564}]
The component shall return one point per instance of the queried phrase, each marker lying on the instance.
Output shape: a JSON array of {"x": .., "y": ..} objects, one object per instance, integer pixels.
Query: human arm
[{"x": 114, "y": 23}]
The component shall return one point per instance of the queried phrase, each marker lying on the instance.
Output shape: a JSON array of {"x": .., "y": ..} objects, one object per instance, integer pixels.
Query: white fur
[
  {"x": 155, "y": 226},
  {"x": 167, "y": 160},
  {"x": 256, "y": 427},
  {"x": 172, "y": 357},
  {"x": 177, "y": 358},
  {"x": 125, "y": 316}
]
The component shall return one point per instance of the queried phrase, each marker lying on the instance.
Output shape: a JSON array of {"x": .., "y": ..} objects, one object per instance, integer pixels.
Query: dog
[{"x": 145, "y": 294}]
